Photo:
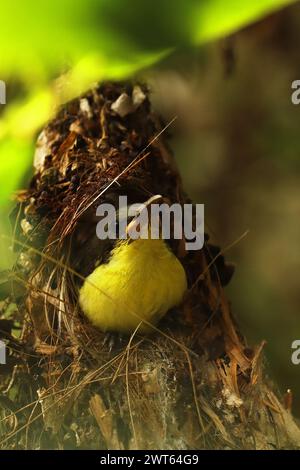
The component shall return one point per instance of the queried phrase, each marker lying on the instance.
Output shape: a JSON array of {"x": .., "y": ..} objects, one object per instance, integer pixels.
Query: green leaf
[
  {"x": 38, "y": 39},
  {"x": 15, "y": 158},
  {"x": 83, "y": 41}
]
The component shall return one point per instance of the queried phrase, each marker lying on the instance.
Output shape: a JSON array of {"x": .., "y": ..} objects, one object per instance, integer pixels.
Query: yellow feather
[{"x": 142, "y": 281}]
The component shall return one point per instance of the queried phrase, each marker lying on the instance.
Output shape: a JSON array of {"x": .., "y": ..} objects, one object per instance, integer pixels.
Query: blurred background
[
  {"x": 236, "y": 138},
  {"x": 237, "y": 143}
]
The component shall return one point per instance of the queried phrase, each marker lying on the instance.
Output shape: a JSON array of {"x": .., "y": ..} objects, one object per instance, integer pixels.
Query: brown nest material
[{"x": 193, "y": 383}]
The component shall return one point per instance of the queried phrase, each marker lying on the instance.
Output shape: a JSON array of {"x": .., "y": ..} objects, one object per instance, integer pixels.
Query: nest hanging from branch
[{"x": 194, "y": 383}]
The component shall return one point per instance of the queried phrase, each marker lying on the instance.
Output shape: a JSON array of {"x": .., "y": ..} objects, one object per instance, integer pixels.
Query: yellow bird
[{"x": 142, "y": 280}]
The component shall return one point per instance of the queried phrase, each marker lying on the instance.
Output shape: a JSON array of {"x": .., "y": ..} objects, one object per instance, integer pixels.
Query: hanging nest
[{"x": 193, "y": 382}]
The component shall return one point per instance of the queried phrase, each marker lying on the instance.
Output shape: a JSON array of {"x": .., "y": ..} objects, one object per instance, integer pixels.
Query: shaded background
[{"x": 237, "y": 143}]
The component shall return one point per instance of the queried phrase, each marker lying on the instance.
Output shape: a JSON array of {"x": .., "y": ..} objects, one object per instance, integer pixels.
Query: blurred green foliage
[
  {"x": 39, "y": 39},
  {"x": 56, "y": 49}
]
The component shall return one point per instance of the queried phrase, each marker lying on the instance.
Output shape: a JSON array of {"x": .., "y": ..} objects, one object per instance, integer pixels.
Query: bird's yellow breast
[{"x": 142, "y": 281}]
